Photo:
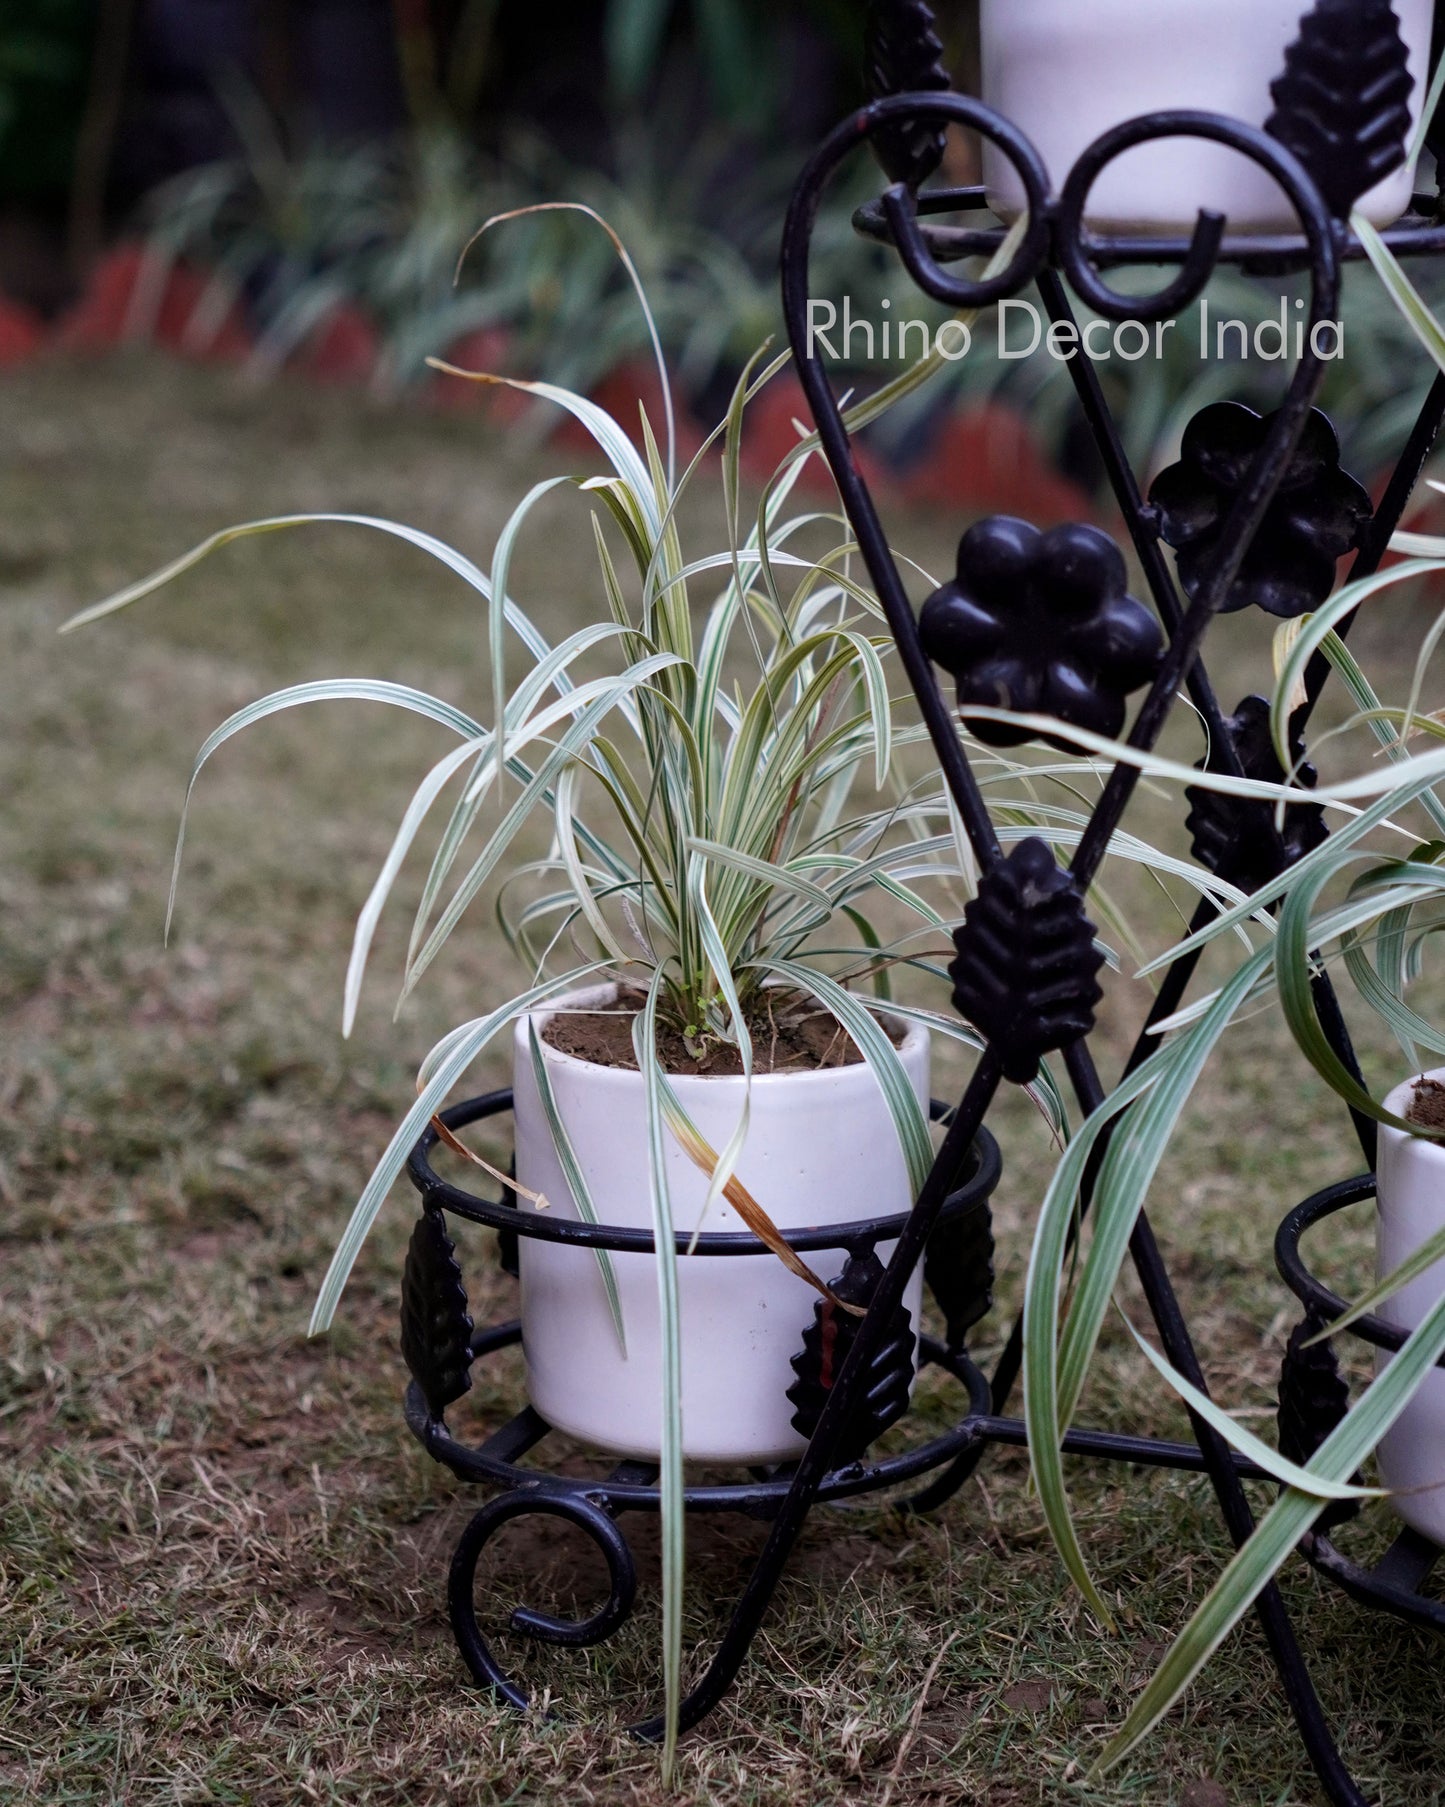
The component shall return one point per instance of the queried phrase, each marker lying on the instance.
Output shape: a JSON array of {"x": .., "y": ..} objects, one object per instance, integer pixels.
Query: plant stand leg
[{"x": 575, "y": 1634}]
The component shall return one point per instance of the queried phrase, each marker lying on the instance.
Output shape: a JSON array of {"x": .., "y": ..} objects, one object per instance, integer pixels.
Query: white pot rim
[
  {"x": 915, "y": 1036},
  {"x": 1424, "y": 1148}
]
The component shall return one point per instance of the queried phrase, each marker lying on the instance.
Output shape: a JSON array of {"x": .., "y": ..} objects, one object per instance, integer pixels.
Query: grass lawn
[{"x": 221, "y": 1556}]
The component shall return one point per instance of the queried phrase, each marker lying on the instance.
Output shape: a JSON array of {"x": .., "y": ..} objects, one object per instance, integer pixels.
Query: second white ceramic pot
[
  {"x": 1411, "y": 1207},
  {"x": 821, "y": 1149},
  {"x": 1066, "y": 70}
]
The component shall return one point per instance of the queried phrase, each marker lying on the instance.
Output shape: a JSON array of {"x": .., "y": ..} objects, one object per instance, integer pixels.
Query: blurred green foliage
[
  {"x": 45, "y": 54},
  {"x": 291, "y": 238},
  {"x": 737, "y": 43}
]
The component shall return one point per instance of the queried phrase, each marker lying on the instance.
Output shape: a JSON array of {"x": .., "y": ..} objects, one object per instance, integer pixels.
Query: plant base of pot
[
  {"x": 1064, "y": 72},
  {"x": 1411, "y": 1207},
  {"x": 821, "y": 1149}
]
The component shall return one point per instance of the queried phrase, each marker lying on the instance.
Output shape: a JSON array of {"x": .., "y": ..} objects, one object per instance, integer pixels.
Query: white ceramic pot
[
  {"x": 821, "y": 1148},
  {"x": 1066, "y": 70},
  {"x": 1411, "y": 1207}
]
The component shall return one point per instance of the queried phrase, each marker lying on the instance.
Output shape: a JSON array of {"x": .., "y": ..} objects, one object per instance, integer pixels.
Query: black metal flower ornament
[
  {"x": 1041, "y": 622},
  {"x": 1317, "y": 515}
]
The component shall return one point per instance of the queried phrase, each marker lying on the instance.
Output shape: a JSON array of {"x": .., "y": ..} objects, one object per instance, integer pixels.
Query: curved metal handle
[{"x": 1203, "y": 252}]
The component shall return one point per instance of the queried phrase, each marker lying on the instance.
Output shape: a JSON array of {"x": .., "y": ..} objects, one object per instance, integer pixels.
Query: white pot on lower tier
[
  {"x": 1411, "y": 1207},
  {"x": 821, "y": 1149},
  {"x": 1066, "y": 70}
]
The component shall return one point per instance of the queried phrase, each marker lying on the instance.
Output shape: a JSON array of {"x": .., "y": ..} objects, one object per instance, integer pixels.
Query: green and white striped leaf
[
  {"x": 441, "y": 1070},
  {"x": 576, "y": 1179},
  {"x": 325, "y": 690},
  {"x": 1255, "y": 1564},
  {"x": 672, "y": 1515}
]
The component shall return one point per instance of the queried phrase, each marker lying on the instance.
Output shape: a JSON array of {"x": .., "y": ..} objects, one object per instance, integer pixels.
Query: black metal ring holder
[
  {"x": 1026, "y": 962},
  {"x": 440, "y": 1345}
]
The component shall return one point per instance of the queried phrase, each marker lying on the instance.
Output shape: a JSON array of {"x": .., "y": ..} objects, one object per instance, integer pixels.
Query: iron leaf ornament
[
  {"x": 903, "y": 54},
  {"x": 1235, "y": 836},
  {"x": 958, "y": 1268},
  {"x": 1024, "y": 972},
  {"x": 1435, "y": 127},
  {"x": 1313, "y": 1399},
  {"x": 1318, "y": 513},
  {"x": 1041, "y": 623},
  {"x": 1342, "y": 104},
  {"x": 436, "y": 1327},
  {"x": 826, "y": 1343}
]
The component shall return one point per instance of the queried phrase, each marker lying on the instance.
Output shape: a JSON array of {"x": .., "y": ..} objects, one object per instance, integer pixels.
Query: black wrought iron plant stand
[{"x": 1258, "y": 512}]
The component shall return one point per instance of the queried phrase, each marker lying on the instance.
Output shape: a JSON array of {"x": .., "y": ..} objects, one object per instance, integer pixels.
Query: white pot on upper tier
[
  {"x": 821, "y": 1148},
  {"x": 1411, "y": 1207},
  {"x": 1066, "y": 70}
]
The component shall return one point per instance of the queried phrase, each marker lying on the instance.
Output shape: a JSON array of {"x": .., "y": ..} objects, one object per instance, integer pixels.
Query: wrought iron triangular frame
[{"x": 1055, "y": 240}]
